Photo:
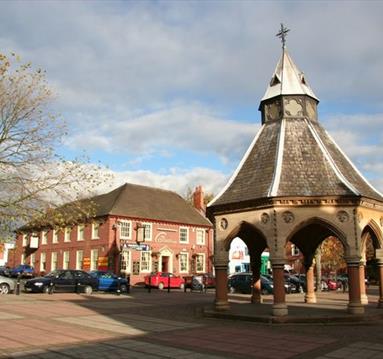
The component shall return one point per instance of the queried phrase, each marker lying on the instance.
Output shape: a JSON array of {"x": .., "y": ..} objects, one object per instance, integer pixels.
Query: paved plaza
[{"x": 171, "y": 325}]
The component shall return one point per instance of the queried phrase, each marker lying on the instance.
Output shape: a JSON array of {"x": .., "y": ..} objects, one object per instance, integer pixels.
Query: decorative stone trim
[
  {"x": 342, "y": 216},
  {"x": 223, "y": 223},
  {"x": 381, "y": 221},
  {"x": 265, "y": 218},
  {"x": 288, "y": 217}
]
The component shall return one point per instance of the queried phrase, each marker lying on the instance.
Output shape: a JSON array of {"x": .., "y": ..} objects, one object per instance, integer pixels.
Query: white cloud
[
  {"x": 187, "y": 127},
  {"x": 175, "y": 179}
]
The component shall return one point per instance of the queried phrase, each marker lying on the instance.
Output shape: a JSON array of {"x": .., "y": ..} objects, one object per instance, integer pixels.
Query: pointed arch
[
  {"x": 317, "y": 229},
  {"x": 372, "y": 228},
  {"x": 250, "y": 234}
]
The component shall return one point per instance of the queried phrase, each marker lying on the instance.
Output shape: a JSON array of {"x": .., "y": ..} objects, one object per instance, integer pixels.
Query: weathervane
[{"x": 282, "y": 34}]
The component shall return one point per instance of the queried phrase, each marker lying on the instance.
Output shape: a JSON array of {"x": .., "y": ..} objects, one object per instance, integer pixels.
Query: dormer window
[{"x": 275, "y": 80}]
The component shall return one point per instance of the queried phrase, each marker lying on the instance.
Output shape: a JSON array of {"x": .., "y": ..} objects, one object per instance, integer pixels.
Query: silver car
[{"x": 6, "y": 285}]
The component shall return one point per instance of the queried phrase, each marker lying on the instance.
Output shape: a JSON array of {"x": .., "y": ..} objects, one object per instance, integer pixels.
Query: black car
[
  {"x": 65, "y": 280},
  {"x": 241, "y": 283}
]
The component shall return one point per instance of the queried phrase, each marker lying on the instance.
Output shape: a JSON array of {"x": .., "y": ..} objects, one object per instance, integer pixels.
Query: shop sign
[{"x": 137, "y": 247}]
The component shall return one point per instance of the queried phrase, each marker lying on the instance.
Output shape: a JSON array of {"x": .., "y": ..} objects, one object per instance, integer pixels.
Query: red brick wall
[{"x": 165, "y": 237}]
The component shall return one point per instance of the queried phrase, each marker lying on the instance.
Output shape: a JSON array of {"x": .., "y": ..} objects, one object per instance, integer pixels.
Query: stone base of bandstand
[
  {"x": 364, "y": 299},
  {"x": 222, "y": 305},
  {"x": 355, "y": 308},
  {"x": 310, "y": 298},
  {"x": 280, "y": 309}
]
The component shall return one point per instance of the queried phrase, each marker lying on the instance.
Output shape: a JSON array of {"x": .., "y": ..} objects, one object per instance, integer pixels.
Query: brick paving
[{"x": 170, "y": 325}]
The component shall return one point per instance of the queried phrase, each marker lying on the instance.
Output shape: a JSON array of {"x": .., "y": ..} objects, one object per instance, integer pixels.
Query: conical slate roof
[
  {"x": 292, "y": 156},
  {"x": 287, "y": 79}
]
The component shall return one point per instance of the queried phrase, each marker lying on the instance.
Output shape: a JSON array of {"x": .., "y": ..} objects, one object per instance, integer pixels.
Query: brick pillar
[
  {"x": 380, "y": 268},
  {"x": 256, "y": 285},
  {"x": 310, "y": 296},
  {"x": 363, "y": 294},
  {"x": 279, "y": 306},
  {"x": 354, "y": 303},
  {"x": 221, "y": 298}
]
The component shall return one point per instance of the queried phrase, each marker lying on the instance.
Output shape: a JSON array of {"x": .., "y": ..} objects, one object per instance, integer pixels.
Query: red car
[{"x": 163, "y": 280}]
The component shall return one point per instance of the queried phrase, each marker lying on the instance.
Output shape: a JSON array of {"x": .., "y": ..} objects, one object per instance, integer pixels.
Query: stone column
[
  {"x": 279, "y": 306},
  {"x": 221, "y": 298},
  {"x": 256, "y": 285},
  {"x": 310, "y": 296},
  {"x": 380, "y": 269},
  {"x": 363, "y": 294},
  {"x": 354, "y": 304}
]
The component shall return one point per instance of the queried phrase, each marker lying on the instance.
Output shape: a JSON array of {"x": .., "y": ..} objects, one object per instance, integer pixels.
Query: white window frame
[
  {"x": 122, "y": 224},
  {"x": 55, "y": 236},
  {"x": 183, "y": 254},
  {"x": 67, "y": 233},
  {"x": 32, "y": 260},
  {"x": 126, "y": 264},
  {"x": 79, "y": 264},
  {"x": 150, "y": 226},
  {"x": 200, "y": 242},
  {"x": 24, "y": 240},
  {"x": 94, "y": 226},
  {"x": 203, "y": 262},
  {"x": 22, "y": 258},
  {"x": 66, "y": 259},
  {"x": 295, "y": 250},
  {"x": 43, "y": 262},
  {"x": 80, "y": 238},
  {"x": 187, "y": 234},
  {"x": 44, "y": 237},
  {"x": 149, "y": 267},
  {"x": 93, "y": 259},
  {"x": 54, "y": 259}
]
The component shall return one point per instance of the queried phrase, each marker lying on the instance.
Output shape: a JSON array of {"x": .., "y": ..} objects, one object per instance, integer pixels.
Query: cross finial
[{"x": 282, "y": 34}]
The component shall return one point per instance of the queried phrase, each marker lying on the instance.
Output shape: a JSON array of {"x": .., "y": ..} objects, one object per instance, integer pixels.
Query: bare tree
[{"x": 33, "y": 178}]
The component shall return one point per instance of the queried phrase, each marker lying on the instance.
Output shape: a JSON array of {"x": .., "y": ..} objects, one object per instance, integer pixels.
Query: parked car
[
  {"x": 4, "y": 271},
  {"x": 108, "y": 281},
  {"x": 63, "y": 281},
  {"x": 6, "y": 285},
  {"x": 162, "y": 280},
  {"x": 241, "y": 283},
  {"x": 199, "y": 281},
  {"x": 24, "y": 270}
]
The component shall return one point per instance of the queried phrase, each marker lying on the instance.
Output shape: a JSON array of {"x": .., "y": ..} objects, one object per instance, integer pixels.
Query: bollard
[
  {"x": 17, "y": 292},
  {"x": 128, "y": 284},
  {"x": 169, "y": 284},
  {"x": 50, "y": 290},
  {"x": 150, "y": 284},
  {"x": 118, "y": 286}
]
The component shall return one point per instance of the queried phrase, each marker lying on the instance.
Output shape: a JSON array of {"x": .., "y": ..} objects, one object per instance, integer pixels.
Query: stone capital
[
  {"x": 353, "y": 261},
  {"x": 278, "y": 262}
]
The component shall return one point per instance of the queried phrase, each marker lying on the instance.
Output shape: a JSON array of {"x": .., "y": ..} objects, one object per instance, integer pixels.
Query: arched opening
[
  {"x": 246, "y": 246},
  {"x": 322, "y": 248},
  {"x": 369, "y": 268}
]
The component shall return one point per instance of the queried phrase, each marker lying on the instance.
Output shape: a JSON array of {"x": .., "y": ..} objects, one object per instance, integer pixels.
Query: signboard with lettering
[{"x": 137, "y": 247}]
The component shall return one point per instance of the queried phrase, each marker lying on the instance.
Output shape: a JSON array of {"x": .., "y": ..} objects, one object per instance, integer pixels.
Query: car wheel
[
  {"x": 232, "y": 290},
  {"x": 124, "y": 288},
  {"x": 161, "y": 286},
  {"x": 88, "y": 290},
  {"x": 4, "y": 288}
]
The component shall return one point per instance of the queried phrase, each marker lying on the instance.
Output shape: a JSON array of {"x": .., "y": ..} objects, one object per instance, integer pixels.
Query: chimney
[{"x": 198, "y": 199}]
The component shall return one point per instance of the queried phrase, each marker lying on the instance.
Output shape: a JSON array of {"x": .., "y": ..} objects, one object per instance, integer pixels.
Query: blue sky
[{"x": 167, "y": 93}]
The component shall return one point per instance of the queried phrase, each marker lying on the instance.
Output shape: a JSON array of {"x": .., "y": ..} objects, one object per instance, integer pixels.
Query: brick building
[{"x": 136, "y": 230}]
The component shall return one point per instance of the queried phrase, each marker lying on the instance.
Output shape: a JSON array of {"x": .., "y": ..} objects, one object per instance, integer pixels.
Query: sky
[{"x": 166, "y": 93}]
